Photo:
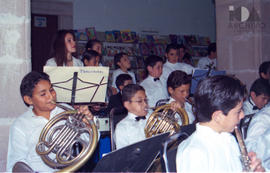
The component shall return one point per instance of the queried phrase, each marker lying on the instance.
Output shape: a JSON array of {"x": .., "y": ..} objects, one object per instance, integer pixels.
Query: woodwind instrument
[{"x": 244, "y": 154}]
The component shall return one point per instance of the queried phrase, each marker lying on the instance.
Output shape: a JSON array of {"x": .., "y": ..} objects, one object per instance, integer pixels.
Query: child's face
[
  {"x": 138, "y": 104},
  {"x": 260, "y": 100},
  {"x": 124, "y": 62},
  {"x": 97, "y": 47},
  {"x": 91, "y": 62},
  {"x": 70, "y": 43},
  {"x": 42, "y": 96},
  {"x": 126, "y": 82},
  {"x": 172, "y": 56},
  {"x": 229, "y": 121},
  {"x": 155, "y": 71},
  {"x": 180, "y": 93}
]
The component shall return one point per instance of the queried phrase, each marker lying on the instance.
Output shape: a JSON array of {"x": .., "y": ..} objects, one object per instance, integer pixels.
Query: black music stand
[{"x": 137, "y": 157}]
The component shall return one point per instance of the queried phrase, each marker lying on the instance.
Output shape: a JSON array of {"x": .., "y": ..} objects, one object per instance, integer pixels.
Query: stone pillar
[
  {"x": 241, "y": 43},
  {"x": 15, "y": 62}
]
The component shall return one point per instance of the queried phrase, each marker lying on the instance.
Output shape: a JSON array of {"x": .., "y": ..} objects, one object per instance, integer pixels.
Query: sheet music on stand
[
  {"x": 79, "y": 84},
  {"x": 200, "y": 74}
]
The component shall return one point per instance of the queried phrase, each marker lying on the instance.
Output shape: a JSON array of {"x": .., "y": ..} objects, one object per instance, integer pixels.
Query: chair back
[{"x": 116, "y": 115}]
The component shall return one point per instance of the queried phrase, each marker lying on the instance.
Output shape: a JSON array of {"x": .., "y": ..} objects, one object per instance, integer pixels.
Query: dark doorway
[{"x": 43, "y": 28}]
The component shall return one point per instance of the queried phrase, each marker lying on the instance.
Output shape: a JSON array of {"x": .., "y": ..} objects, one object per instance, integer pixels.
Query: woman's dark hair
[
  {"x": 217, "y": 93},
  {"x": 130, "y": 90},
  {"x": 178, "y": 78},
  {"x": 117, "y": 58},
  {"x": 89, "y": 55},
  {"x": 59, "y": 47},
  {"x": 30, "y": 81}
]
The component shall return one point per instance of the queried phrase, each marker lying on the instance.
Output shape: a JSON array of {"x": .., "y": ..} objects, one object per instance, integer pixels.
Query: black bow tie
[
  {"x": 155, "y": 79},
  {"x": 255, "y": 108},
  {"x": 140, "y": 118}
]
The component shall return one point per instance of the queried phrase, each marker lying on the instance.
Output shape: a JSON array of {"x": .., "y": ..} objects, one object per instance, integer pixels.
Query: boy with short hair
[
  {"x": 178, "y": 85},
  {"x": 212, "y": 147},
  {"x": 258, "y": 98},
  {"x": 155, "y": 89},
  {"x": 115, "y": 101},
  {"x": 131, "y": 129},
  {"x": 211, "y": 60},
  {"x": 37, "y": 92},
  {"x": 172, "y": 64},
  {"x": 122, "y": 65},
  {"x": 264, "y": 70}
]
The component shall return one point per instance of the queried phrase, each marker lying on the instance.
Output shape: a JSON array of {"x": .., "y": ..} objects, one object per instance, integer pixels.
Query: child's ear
[
  {"x": 218, "y": 116},
  {"x": 27, "y": 100},
  {"x": 119, "y": 64},
  {"x": 253, "y": 95},
  {"x": 85, "y": 62},
  {"x": 170, "y": 90},
  {"x": 149, "y": 68},
  {"x": 126, "y": 104}
]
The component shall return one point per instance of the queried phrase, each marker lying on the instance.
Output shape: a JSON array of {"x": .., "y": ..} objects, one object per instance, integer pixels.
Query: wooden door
[{"x": 43, "y": 29}]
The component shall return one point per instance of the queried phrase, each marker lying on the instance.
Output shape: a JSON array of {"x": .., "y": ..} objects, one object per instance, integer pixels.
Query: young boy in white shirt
[
  {"x": 218, "y": 104},
  {"x": 122, "y": 65},
  {"x": 258, "y": 97},
  {"x": 172, "y": 64},
  {"x": 155, "y": 88},
  {"x": 131, "y": 129},
  {"x": 178, "y": 85},
  {"x": 37, "y": 92}
]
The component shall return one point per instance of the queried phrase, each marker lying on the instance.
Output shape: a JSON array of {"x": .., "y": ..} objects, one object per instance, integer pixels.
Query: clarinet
[{"x": 244, "y": 154}]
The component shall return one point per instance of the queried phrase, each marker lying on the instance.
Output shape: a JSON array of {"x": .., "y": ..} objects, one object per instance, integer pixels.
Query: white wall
[{"x": 165, "y": 16}]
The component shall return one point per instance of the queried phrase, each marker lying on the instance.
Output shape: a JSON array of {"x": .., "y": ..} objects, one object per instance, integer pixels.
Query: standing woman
[{"x": 63, "y": 47}]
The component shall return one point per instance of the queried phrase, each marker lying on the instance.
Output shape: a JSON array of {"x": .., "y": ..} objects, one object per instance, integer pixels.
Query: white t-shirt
[
  {"x": 258, "y": 136},
  {"x": 129, "y": 131},
  {"x": 208, "y": 151},
  {"x": 169, "y": 67},
  {"x": 76, "y": 62},
  {"x": 206, "y": 61},
  {"x": 117, "y": 72},
  {"x": 155, "y": 90}
]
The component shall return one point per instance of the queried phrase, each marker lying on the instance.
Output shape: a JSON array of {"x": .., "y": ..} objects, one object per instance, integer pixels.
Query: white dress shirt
[
  {"x": 76, "y": 62},
  {"x": 208, "y": 151},
  {"x": 169, "y": 67},
  {"x": 258, "y": 136},
  {"x": 204, "y": 62},
  {"x": 188, "y": 109},
  {"x": 129, "y": 131},
  {"x": 248, "y": 107},
  {"x": 117, "y": 72},
  {"x": 155, "y": 90},
  {"x": 23, "y": 138}
]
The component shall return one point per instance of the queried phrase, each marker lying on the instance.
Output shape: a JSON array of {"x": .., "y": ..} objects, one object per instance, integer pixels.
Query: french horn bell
[
  {"x": 164, "y": 119},
  {"x": 59, "y": 137}
]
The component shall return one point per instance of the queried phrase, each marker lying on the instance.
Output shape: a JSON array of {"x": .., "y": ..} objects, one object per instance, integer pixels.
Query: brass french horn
[
  {"x": 61, "y": 134},
  {"x": 164, "y": 119}
]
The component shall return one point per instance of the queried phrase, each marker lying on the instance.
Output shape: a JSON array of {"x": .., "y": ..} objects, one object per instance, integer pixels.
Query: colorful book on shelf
[
  {"x": 181, "y": 39},
  {"x": 117, "y": 36},
  {"x": 91, "y": 33},
  {"x": 81, "y": 35},
  {"x": 126, "y": 36},
  {"x": 134, "y": 37},
  {"x": 109, "y": 36},
  {"x": 173, "y": 38},
  {"x": 80, "y": 48}
]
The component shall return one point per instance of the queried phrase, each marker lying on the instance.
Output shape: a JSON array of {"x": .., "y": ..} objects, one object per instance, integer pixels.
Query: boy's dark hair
[
  {"x": 264, "y": 68},
  {"x": 120, "y": 80},
  {"x": 217, "y": 93},
  {"x": 212, "y": 47},
  {"x": 91, "y": 43},
  {"x": 187, "y": 56},
  {"x": 117, "y": 58},
  {"x": 172, "y": 46},
  {"x": 130, "y": 90},
  {"x": 89, "y": 54},
  {"x": 181, "y": 46},
  {"x": 260, "y": 86},
  {"x": 29, "y": 82},
  {"x": 152, "y": 60},
  {"x": 178, "y": 78}
]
